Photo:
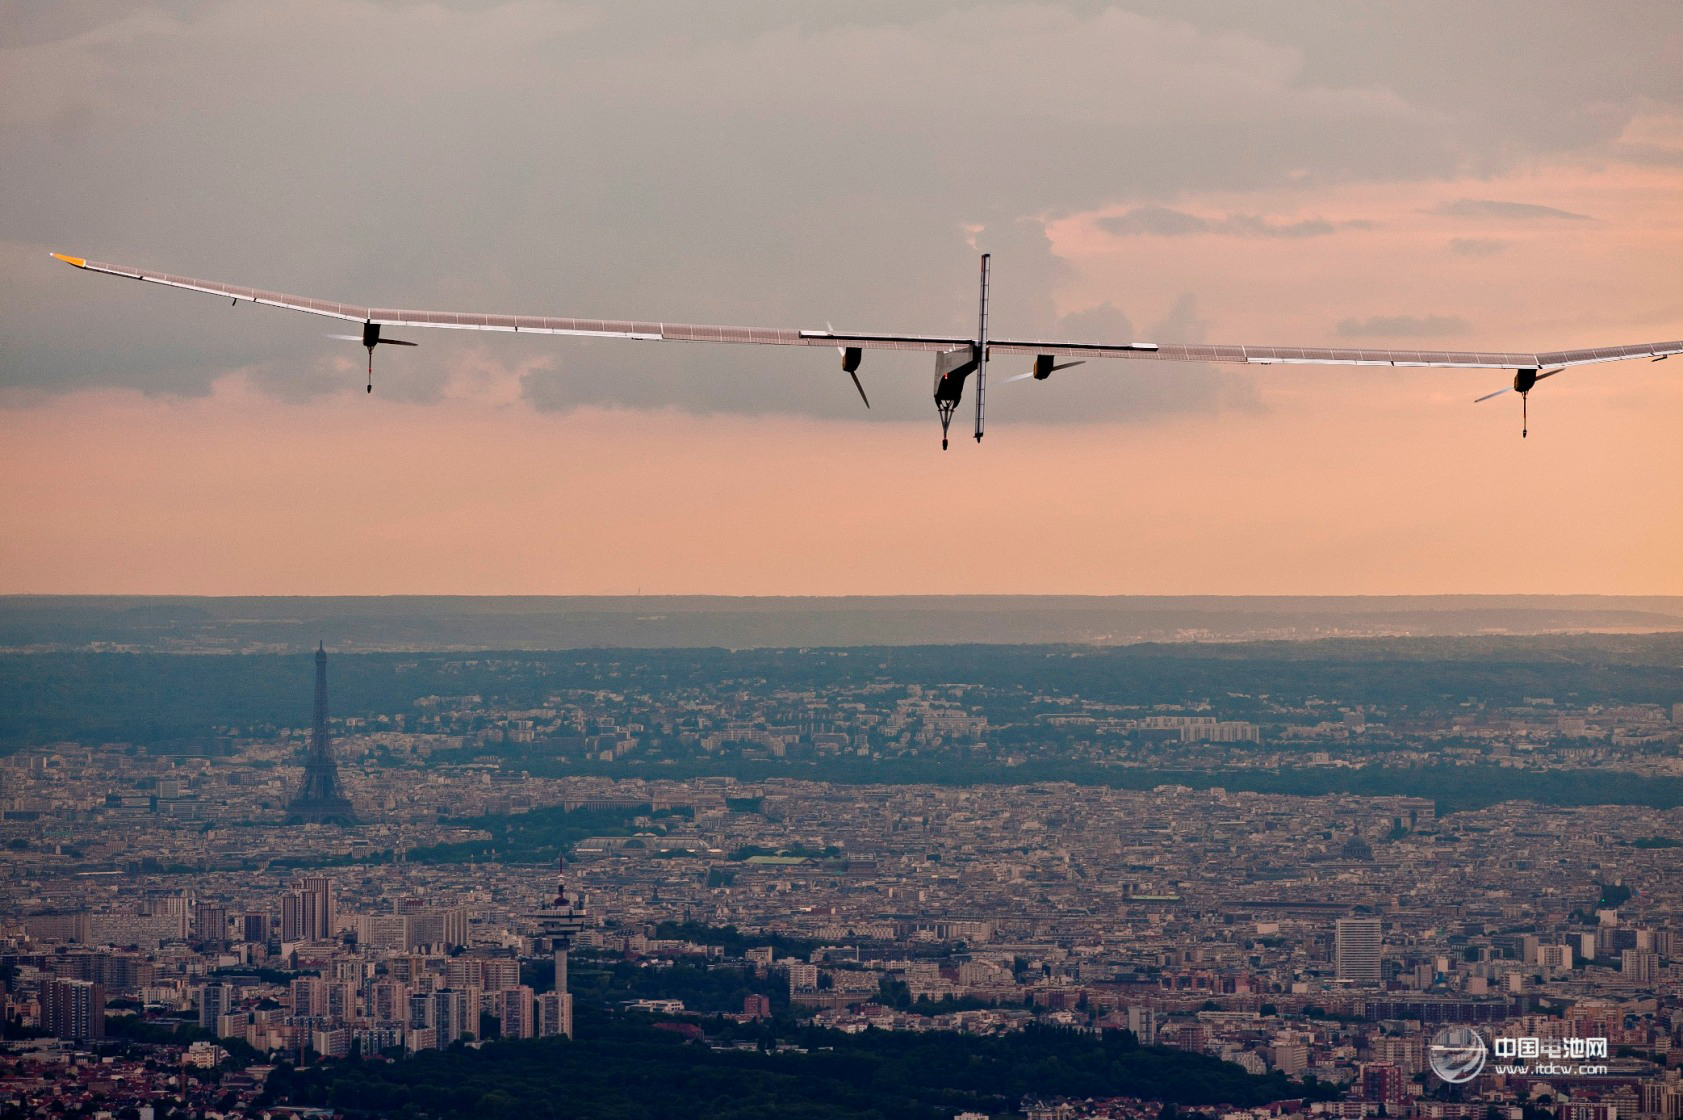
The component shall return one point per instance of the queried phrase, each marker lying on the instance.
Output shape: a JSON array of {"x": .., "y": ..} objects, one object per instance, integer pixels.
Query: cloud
[
  {"x": 1402, "y": 326},
  {"x": 1161, "y": 221},
  {"x": 777, "y": 165},
  {"x": 1477, "y": 246},
  {"x": 1156, "y": 220},
  {"x": 1102, "y": 323},
  {"x": 1514, "y": 211},
  {"x": 1122, "y": 390},
  {"x": 1182, "y": 324},
  {"x": 1250, "y": 225}
]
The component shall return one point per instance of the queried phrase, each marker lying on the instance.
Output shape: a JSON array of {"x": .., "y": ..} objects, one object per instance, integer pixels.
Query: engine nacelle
[{"x": 851, "y": 357}]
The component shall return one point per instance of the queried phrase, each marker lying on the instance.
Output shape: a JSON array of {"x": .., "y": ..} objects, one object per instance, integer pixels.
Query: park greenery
[
  {"x": 627, "y": 1066},
  {"x": 538, "y": 836}
]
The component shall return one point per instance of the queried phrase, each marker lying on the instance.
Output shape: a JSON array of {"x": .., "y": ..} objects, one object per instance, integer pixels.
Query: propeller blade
[
  {"x": 381, "y": 342},
  {"x": 1551, "y": 373},
  {"x": 861, "y": 389},
  {"x": 1048, "y": 370},
  {"x": 1497, "y": 393},
  {"x": 842, "y": 350}
]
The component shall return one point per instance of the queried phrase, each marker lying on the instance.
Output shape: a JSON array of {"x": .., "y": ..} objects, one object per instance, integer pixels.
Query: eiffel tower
[{"x": 321, "y": 799}]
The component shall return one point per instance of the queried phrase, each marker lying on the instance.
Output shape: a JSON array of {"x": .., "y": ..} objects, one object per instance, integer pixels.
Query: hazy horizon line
[{"x": 958, "y": 595}]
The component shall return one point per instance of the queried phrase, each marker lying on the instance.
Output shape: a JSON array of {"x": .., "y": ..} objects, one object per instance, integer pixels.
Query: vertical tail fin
[{"x": 982, "y": 351}]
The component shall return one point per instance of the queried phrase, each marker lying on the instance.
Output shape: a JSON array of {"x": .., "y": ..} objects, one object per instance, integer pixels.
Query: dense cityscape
[{"x": 190, "y": 931}]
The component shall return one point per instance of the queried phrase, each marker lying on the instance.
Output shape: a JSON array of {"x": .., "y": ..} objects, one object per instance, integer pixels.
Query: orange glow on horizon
[{"x": 1343, "y": 482}]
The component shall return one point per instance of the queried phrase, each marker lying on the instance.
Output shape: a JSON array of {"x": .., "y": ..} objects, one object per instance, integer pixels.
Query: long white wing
[
  {"x": 1339, "y": 356},
  {"x": 776, "y": 336},
  {"x": 527, "y": 324}
]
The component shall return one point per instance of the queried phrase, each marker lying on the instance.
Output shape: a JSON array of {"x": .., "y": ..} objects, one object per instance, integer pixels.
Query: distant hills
[{"x": 399, "y": 623}]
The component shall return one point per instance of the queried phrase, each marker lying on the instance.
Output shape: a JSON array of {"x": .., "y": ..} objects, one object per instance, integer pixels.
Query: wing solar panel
[{"x": 772, "y": 336}]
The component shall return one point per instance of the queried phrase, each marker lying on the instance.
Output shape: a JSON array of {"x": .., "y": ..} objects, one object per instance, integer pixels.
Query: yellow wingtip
[{"x": 79, "y": 262}]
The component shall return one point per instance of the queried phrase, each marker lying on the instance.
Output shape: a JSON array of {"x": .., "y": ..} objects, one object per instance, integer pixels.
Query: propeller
[
  {"x": 1524, "y": 381},
  {"x": 1043, "y": 368},
  {"x": 370, "y": 337},
  {"x": 850, "y": 363},
  {"x": 382, "y": 342},
  {"x": 1510, "y": 388}
]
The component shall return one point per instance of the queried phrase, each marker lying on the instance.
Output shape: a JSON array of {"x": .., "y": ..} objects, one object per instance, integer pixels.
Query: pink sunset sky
[{"x": 1240, "y": 183}]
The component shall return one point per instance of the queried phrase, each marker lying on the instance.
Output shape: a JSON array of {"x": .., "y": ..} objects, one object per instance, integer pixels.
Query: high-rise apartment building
[
  {"x": 254, "y": 927},
  {"x": 1640, "y": 966},
  {"x": 210, "y": 923},
  {"x": 1142, "y": 1021},
  {"x": 514, "y": 1009},
  {"x": 388, "y": 1001},
  {"x": 1383, "y": 1083},
  {"x": 310, "y": 996},
  {"x": 1356, "y": 944},
  {"x": 1406, "y": 1052},
  {"x": 803, "y": 977},
  {"x": 1289, "y": 1056},
  {"x": 213, "y": 1004},
  {"x": 498, "y": 974},
  {"x": 555, "y": 1014},
  {"x": 309, "y": 912},
  {"x": 73, "y": 1009},
  {"x": 455, "y": 1014}
]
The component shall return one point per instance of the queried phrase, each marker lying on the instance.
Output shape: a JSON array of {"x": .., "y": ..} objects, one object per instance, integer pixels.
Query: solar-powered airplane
[{"x": 956, "y": 358}]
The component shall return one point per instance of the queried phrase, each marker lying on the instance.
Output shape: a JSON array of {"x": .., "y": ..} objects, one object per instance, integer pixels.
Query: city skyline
[
  {"x": 757, "y": 860},
  {"x": 1413, "y": 877}
]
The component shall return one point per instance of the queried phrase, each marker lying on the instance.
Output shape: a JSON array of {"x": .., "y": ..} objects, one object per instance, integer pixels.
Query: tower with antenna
[
  {"x": 321, "y": 797},
  {"x": 556, "y": 925}
]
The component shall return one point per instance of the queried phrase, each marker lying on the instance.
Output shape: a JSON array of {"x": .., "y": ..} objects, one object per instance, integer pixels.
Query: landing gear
[
  {"x": 1524, "y": 381},
  {"x": 946, "y": 409},
  {"x": 371, "y": 338}
]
